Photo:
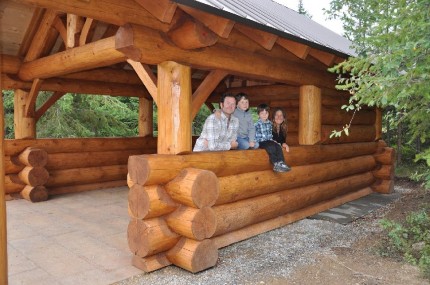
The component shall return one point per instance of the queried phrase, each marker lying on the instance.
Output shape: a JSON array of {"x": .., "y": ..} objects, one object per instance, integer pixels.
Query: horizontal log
[
  {"x": 79, "y": 86},
  {"x": 385, "y": 172},
  {"x": 252, "y": 184},
  {"x": 149, "y": 237},
  {"x": 34, "y": 194},
  {"x": 292, "y": 139},
  {"x": 386, "y": 156},
  {"x": 10, "y": 64},
  {"x": 357, "y": 133},
  {"x": 197, "y": 224},
  {"x": 233, "y": 216},
  {"x": 34, "y": 176},
  {"x": 194, "y": 188},
  {"x": 256, "y": 229},
  {"x": 192, "y": 255},
  {"x": 70, "y": 160},
  {"x": 337, "y": 116},
  {"x": 160, "y": 169},
  {"x": 33, "y": 157},
  {"x": 145, "y": 202},
  {"x": 149, "y": 46},
  {"x": 15, "y": 146},
  {"x": 86, "y": 187},
  {"x": 150, "y": 263},
  {"x": 77, "y": 176},
  {"x": 12, "y": 165},
  {"x": 383, "y": 186},
  {"x": 13, "y": 184}
]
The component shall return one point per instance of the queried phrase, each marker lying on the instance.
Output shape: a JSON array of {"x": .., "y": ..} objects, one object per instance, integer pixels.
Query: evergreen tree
[{"x": 301, "y": 10}]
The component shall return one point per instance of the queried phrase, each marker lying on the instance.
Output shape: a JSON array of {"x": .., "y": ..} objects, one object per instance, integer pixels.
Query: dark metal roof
[{"x": 277, "y": 19}]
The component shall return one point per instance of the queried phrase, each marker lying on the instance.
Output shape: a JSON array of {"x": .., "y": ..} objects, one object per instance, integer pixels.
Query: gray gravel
[{"x": 270, "y": 256}]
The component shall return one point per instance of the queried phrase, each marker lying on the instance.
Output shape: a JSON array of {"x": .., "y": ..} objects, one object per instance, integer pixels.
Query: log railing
[
  {"x": 36, "y": 168},
  {"x": 185, "y": 207}
]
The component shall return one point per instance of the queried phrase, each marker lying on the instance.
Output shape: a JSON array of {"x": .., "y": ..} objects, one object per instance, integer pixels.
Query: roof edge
[{"x": 236, "y": 18}]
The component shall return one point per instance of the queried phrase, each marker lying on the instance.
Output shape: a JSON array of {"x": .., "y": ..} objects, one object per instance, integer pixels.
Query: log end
[
  {"x": 35, "y": 194},
  {"x": 383, "y": 186},
  {"x": 35, "y": 157},
  {"x": 150, "y": 263},
  {"x": 138, "y": 169},
  {"x": 204, "y": 224},
  {"x": 194, "y": 256},
  {"x": 138, "y": 202},
  {"x": 34, "y": 176},
  {"x": 205, "y": 190},
  {"x": 133, "y": 235}
]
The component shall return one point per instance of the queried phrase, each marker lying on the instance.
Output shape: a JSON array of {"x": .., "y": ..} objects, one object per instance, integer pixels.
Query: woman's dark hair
[
  {"x": 262, "y": 107},
  {"x": 283, "y": 127}
]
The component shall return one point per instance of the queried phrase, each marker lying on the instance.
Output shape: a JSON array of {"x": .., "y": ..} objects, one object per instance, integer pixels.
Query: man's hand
[
  {"x": 251, "y": 144},
  {"x": 233, "y": 145}
]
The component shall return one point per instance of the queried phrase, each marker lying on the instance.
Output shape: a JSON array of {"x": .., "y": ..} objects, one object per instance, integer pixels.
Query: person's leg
[
  {"x": 280, "y": 157},
  {"x": 270, "y": 149},
  {"x": 243, "y": 143}
]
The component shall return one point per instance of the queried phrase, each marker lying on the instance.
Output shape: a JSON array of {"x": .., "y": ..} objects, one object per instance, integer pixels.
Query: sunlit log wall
[
  {"x": 185, "y": 207},
  {"x": 69, "y": 165}
]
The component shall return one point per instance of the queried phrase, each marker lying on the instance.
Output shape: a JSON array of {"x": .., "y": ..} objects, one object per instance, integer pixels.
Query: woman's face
[{"x": 279, "y": 117}]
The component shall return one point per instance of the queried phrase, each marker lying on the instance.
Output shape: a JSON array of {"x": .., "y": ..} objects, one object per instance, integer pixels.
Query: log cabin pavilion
[{"x": 184, "y": 206}]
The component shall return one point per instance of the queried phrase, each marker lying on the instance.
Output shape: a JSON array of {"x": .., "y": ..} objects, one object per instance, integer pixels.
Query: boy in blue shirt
[{"x": 264, "y": 137}]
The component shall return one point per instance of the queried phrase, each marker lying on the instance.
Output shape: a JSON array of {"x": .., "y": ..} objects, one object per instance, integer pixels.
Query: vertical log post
[
  {"x": 25, "y": 128},
  {"x": 309, "y": 115},
  {"x": 3, "y": 236},
  {"x": 174, "y": 108},
  {"x": 145, "y": 117}
]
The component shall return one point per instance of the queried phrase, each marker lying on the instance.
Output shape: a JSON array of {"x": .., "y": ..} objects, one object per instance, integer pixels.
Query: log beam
[
  {"x": 24, "y": 127},
  {"x": 30, "y": 103},
  {"x": 208, "y": 85},
  {"x": 196, "y": 224},
  {"x": 145, "y": 124},
  {"x": 309, "y": 115},
  {"x": 298, "y": 49},
  {"x": 174, "y": 109},
  {"x": 51, "y": 101},
  {"x": 83, "y": 37},
  {"x": 262, "y": 38},
  {"x": 97, "y": 54},
  {"x": 322, "y": 56},
  {"x": 74, "y": 27},
  {"x": 147, "y": 45}
]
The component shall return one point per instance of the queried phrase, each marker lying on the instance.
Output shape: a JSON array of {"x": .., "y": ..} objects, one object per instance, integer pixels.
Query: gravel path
[{"x": 271, "y": 257}]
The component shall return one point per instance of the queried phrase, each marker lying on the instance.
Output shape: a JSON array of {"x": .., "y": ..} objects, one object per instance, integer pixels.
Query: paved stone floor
[{"x": 78, "y": 238}]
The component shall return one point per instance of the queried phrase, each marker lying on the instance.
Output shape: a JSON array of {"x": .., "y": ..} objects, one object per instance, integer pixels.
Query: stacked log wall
[
  {"x": 72, "y": 165},
  {"x": 197, "y": 203}
]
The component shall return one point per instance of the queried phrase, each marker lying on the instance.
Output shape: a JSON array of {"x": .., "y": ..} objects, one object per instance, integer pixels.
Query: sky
[{"x": 315, "y": 9}]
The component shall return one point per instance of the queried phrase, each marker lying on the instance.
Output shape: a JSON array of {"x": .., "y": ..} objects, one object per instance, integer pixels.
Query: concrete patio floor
[{"x": 78, "y": 238}]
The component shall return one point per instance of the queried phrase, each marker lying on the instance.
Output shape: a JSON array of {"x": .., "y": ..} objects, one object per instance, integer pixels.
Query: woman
[{"x": 280, "y": 127}]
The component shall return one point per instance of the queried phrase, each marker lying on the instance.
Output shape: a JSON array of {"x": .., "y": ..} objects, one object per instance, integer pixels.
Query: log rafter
[
  {"x": 30, "y": 102},
  {"x": 163, "y": 10},
  {"x": 264, "y": 39},
  {"x": 322, "y": 56},
  {"x": 85, "y": 31},
  {"x": 298, "y": 49}
]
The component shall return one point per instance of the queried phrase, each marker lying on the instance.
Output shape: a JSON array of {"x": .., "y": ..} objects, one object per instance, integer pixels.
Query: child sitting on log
[{"x": 264, "y": 137}]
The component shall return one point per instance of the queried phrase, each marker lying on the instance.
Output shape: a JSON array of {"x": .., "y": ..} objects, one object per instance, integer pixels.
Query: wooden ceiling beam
[
  {"x": 189, "y": 33},
  {"x": 220, "y": 26},
  {"x": 163, "y": 10},
  {"x": 298, "y": 49},
  {"x": 147, "y": 76},
  {"x": 51, "y": 101},
  {"x": 322, "y": 56},
  {"x": 79, "y": 86},
  {"x": 85, "y": 31},
  {"x": 262, "y": 38},
  {"x": 205, "y": 89},
  {"x": 30, "y": 103},
  {"x": 97, "y": 54},
  {"x": 31, "y": 31},
  {"x": 107, "y": 74},
  {"x": 61, "y": 28},
  {"x": 109, "y": 11},
  {"x": 41, "y": 36},
  {"x": 148, "y": 46},
  {"x": 10, "y": 64}
]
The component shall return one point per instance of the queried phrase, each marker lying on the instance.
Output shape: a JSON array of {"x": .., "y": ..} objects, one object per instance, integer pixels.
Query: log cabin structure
[{"x": 180, "y": 55}]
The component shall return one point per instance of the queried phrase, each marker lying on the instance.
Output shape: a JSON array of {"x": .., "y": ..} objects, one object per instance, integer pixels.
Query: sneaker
[
  {"x": 284, "y": 166},
  {"x": 278, "y": 168}
]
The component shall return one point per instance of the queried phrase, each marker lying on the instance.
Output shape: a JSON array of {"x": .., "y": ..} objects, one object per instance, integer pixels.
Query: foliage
[
  {"x": 411, "y": 240},
  {"x": 392, "y": 66},
  {"x": 301, "y": 10}
]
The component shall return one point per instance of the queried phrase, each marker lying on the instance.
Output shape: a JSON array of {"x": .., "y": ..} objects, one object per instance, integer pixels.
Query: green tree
[
  {"x": 301, "y": 10},
  {"x": 392, "y": 66}
]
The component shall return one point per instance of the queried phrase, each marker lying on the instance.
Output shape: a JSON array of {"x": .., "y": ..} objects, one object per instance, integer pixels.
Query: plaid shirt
[
  {"x": 263, "y": 131},
  {"x": 218, "y": 132}
]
